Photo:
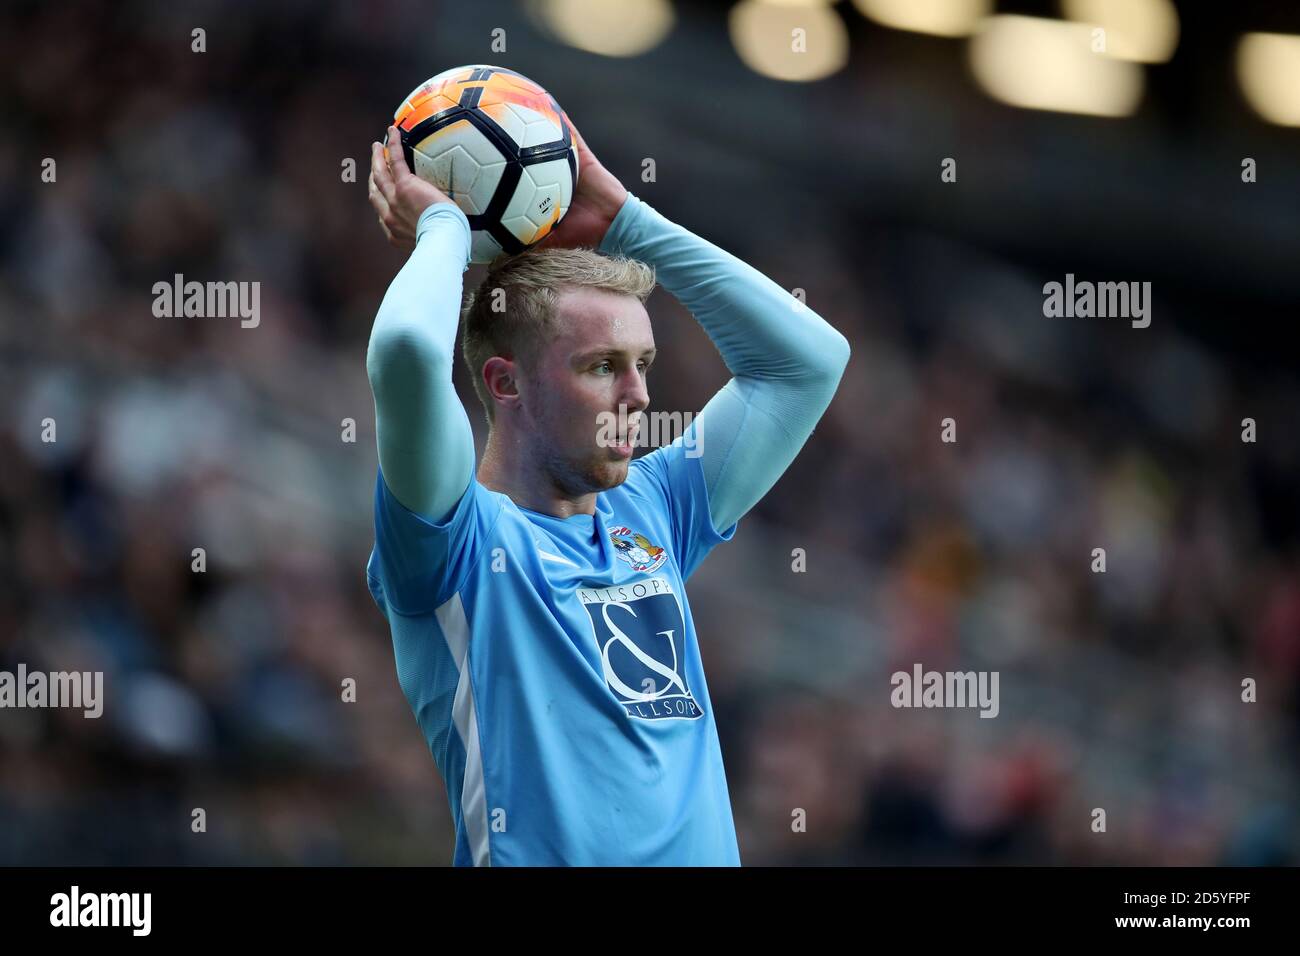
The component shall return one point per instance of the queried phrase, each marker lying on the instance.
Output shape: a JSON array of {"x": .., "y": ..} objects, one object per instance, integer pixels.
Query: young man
[{"x": 537, "y": 602}]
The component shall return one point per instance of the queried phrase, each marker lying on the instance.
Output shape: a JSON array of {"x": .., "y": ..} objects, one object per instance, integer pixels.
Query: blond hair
[{"x": 514, "y": 322}]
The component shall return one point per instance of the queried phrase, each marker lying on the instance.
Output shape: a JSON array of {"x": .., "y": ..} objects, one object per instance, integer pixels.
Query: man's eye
[{"x": 604, "y": 367}]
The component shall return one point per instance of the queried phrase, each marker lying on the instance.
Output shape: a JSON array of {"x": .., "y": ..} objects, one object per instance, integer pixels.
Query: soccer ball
[{"x": 499, "y": 146}]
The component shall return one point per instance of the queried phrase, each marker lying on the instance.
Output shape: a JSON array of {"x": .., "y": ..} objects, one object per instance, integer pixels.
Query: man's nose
[{"x": 635, "y": 395}]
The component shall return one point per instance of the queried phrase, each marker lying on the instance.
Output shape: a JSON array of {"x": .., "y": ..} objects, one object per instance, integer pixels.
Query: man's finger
[
  {"x": 577, "y": 136},
  {"x": 377, "y": 198},
  {"x": 396, "y": 158},
  {"x": 585, "y": 155},
  {"x": 379, "y": 173}
]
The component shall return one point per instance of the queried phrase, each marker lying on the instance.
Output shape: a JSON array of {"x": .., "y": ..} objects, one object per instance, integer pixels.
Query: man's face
[{"x": 596, "y": 362}]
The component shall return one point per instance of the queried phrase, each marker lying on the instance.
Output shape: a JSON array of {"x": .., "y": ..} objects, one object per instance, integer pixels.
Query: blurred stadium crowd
[{"x": 1119, "y": 691}]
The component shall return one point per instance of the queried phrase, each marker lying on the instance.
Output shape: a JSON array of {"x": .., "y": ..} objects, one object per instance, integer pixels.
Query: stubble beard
[{"x": 594, "y": 473}]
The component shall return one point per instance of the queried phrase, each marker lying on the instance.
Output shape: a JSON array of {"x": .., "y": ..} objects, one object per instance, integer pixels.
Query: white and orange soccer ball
[{"x": 499, "y": 146}]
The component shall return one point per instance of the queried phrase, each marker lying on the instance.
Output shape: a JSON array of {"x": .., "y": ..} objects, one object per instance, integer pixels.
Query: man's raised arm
[
  {"x": 426, "y": 445},
  {"x": 786, "y": 361}
]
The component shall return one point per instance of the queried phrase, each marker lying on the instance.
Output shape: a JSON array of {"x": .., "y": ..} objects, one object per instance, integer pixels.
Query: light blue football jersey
[{"x": 553, "y": 666}]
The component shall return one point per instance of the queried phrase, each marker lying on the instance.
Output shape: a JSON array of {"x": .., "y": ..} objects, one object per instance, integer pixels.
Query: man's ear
[{"x": 501, "y": 375}]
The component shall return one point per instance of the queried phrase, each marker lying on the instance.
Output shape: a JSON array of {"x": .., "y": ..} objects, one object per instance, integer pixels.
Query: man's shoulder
[
  {"x": 666, "y": 473},
  {"x": 648, "y": 481}
]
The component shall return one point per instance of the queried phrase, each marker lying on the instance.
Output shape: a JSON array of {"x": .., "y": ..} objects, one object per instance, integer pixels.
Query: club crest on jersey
[
  {"x": 641, "y": 639},
  {"x": 636, "y": 549}
]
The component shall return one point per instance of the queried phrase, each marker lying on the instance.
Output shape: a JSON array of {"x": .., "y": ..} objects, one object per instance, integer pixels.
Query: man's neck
[{"x": 508, "y": 473}]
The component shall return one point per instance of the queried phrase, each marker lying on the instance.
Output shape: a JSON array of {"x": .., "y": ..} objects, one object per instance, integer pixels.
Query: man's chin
[
  {"x": 597, "y": 476},
  {"x": 612, "y": 474}
]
